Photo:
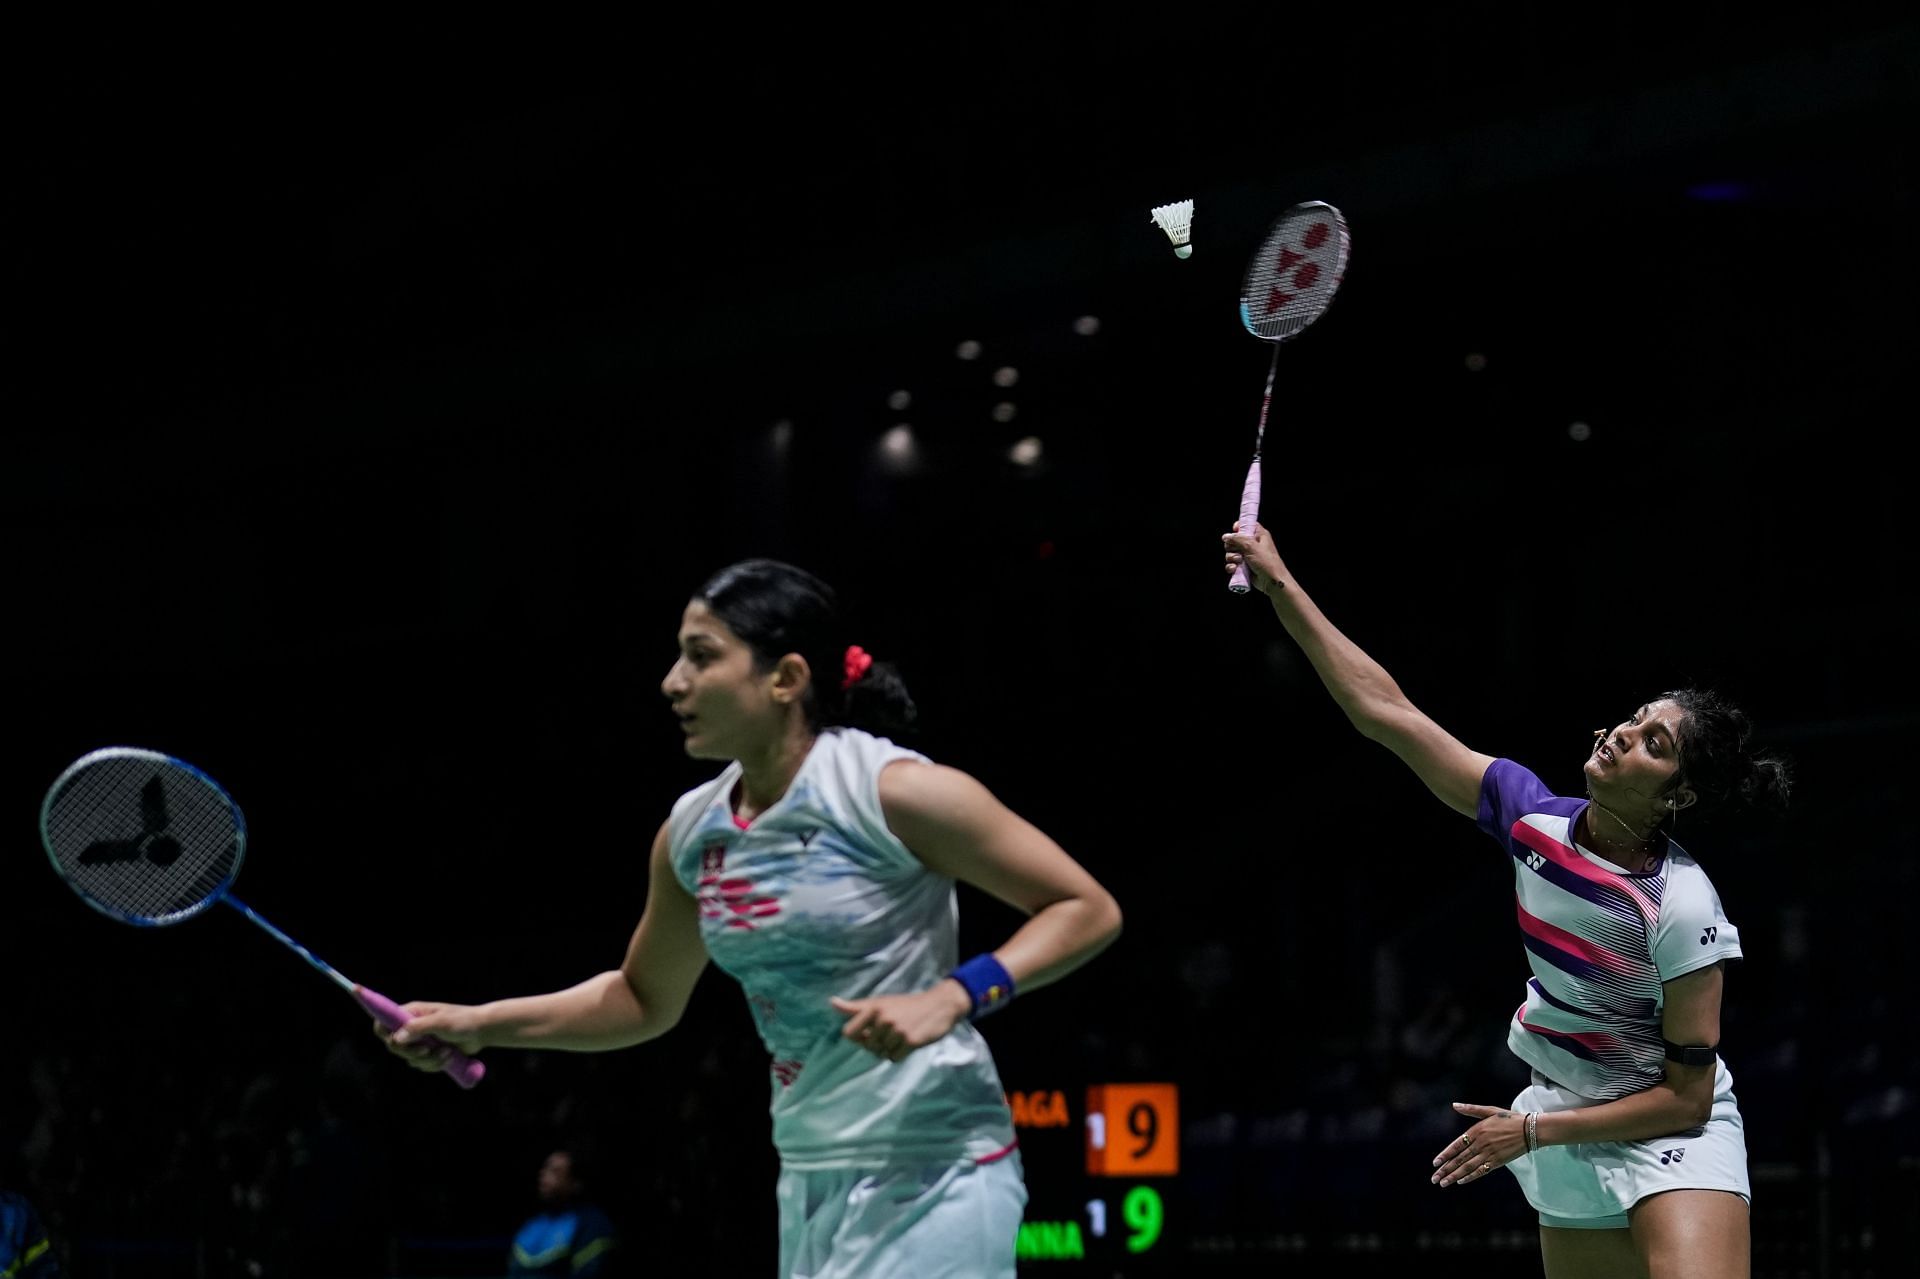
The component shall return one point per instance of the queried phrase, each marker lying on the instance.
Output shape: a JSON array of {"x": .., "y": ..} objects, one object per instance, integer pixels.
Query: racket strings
[
  {"x": 1294, "y": 275},
  {"x": 143, "y": 839}
]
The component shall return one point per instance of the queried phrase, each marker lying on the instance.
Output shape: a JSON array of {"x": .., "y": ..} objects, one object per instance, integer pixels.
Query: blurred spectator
[
  {"x": 25, "y": 1252},
  {"x": 570, "y": 1235}
]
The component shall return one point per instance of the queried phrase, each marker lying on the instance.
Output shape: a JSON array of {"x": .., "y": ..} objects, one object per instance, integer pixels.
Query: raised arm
[
  {"x": 1359, "y": 685},
  {"x": 641, "y": 1000}
]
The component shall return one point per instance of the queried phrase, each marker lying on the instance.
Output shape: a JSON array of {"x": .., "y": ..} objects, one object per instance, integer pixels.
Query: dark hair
[
  {"x": 1716, "y": 757},
  {"x": 779, "y": 609}
]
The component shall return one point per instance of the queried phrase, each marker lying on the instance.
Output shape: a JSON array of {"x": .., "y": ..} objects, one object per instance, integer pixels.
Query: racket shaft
[
  {"x": 325, "y": 969},
  {"x": 462, "y": 1069},
  {"x": 1239, "y": 583}
]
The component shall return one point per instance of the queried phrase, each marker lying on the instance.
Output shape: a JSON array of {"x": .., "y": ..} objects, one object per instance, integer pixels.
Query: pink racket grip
[
  {"x": 1239, "y": 583},
  {"x": 463, "y": 1069}
]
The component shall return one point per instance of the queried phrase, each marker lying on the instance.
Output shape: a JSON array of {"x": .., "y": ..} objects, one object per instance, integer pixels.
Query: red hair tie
[{"x": 858, "y": 662}]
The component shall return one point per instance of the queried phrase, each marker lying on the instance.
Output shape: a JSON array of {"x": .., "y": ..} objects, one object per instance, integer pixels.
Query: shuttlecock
[{"x": 1177, "y": 221}]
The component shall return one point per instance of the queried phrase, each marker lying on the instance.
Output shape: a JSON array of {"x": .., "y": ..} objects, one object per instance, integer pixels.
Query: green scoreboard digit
[{"x": 1088, "y": 1172}]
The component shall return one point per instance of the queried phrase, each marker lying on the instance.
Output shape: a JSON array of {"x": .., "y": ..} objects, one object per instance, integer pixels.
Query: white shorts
[
  {"x": 1591, "y": 1185},
  {"x": 941, "y": 1221}
]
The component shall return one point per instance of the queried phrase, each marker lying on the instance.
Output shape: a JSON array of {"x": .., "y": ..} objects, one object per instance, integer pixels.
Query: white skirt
[
  {"x": 944, "y": 1221},
  {"x": 1591, "y": 1185}
]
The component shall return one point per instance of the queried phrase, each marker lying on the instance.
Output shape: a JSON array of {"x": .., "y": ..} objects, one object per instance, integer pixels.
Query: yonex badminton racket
[{"x": 1289, "y": 282}]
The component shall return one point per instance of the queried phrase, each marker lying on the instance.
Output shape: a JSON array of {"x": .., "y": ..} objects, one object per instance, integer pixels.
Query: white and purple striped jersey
[
  {"x": 1600, "y": 940},
  {"x": 817, "y": 898}
]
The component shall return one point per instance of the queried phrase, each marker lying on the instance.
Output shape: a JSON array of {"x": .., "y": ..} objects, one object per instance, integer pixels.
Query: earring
[{"x": 1599, "y": 732}]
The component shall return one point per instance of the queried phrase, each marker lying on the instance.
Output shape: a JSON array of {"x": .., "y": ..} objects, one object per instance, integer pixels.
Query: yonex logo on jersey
[
  {"x": 712, "y": 858},
  {"x": 1708, "y": 934},
  {"x": 1673, "y": 1156},
  {"x": 1535, "y": 861},
  {"x": 806, "y": 836}
]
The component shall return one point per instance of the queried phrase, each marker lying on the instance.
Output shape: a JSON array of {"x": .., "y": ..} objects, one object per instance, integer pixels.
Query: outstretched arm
[
  {"x": 1359, "y": 685},
  {"x": 640, "y": 1000}
]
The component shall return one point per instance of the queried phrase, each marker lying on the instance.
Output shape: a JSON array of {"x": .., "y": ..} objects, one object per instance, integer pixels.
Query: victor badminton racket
[{"x": 150, "y": 840}]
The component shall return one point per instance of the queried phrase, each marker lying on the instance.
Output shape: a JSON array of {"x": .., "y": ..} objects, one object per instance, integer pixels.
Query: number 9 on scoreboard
[{"x": 1133, "y": 1130}]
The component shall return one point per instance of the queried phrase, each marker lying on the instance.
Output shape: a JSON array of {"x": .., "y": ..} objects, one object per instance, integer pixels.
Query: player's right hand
[
  {"x": 1257, "y": 551},
  {"x": 423, "y": 1042}
]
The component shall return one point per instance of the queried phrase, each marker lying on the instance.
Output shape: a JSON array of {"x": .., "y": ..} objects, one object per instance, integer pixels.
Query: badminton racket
[
  {"x": 1289, "y": 282},
  {"x": 150, "y": 840}
]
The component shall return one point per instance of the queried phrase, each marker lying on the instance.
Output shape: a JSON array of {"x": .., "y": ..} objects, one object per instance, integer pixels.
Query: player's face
[
  {"x": 556, "y": 1177},
  {"x": 1633, "y": 764},
  {"x": 724, "y": 705}
]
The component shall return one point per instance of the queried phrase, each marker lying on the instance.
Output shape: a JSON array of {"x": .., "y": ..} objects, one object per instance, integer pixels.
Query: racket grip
[
  {"x": 463, "y": 1069},
  {"x": 1240, "y": 583}
]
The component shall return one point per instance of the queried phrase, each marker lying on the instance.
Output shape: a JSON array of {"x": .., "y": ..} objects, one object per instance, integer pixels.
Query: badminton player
[
  {"x": 1628, "y": 1143},
  {"x": 818, "y": 870}
]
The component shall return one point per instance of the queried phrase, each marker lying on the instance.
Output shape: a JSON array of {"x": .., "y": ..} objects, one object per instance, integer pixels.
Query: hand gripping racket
[
  {"x": 1289, "y": 282},
  {"x": 151, "y": 840}
]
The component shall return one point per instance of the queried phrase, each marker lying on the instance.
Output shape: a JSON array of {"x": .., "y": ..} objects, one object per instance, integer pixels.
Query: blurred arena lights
[
  {"x": 898, "y": 448},
  {"x": 1005, "y": 411},
  {"x": 1006, "y": 375},
  {"x": 900, "y": 401},
  {"x": 1476, "y": 362},
  {"x": 782, "y": 437},
  {"x": 1026, "y": 452},
  {"x": 1580, "y": 432},
  {"x": 967, "y": 350},
  {"x": 1087, "y": 325}
]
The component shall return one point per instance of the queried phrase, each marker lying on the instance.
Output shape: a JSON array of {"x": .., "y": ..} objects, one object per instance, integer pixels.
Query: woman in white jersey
[
  {"x": 818, "y": 870},
  {"x": 1628, "y": 1144}
]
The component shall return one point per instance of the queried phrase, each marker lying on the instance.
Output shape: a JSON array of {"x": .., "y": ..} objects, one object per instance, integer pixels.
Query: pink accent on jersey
[
  {"x": 1601, "y": 1044},
  {"x": 999, "y": 1154},
  {"x": 1572, "y": 860},
  {"x": 1561, "y": 939}
]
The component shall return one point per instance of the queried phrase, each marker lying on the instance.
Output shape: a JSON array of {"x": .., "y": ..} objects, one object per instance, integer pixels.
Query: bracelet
[
  {"x": 1533, "y": 1131},
  {"x": 988, "y": 983}
]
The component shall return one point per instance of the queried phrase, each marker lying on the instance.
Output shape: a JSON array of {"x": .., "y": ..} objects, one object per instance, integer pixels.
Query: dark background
[{"x": 378, "y": 397}]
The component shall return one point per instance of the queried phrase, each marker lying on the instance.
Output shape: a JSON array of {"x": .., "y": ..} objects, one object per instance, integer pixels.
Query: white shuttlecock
[{"x": 1177, "y": 221}]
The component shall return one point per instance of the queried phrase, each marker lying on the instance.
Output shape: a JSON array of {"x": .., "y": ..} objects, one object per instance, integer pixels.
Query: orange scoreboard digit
[{"x": 1133, "y": 1130}]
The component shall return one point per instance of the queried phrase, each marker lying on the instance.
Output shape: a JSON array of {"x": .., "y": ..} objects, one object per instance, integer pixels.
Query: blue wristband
[{"x": 987, "y": 981}]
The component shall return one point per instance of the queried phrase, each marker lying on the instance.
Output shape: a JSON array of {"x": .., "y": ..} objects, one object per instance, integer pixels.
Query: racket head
[
  {"x": 142, "y": 837},
  {"x": 1292, "y": 277}
]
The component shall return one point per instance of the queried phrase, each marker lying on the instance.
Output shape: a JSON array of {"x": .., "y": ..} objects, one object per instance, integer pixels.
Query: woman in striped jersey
[
  {"x": 818, "y": 870},
  {"x": 1628, "y": 1143}
]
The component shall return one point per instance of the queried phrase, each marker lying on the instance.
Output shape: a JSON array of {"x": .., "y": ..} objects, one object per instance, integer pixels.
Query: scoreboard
[{"x": 1102, "y": 1166}]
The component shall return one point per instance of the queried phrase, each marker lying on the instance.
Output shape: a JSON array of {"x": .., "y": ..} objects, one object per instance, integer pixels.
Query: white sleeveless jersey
[{"x": 817, "y": 898}]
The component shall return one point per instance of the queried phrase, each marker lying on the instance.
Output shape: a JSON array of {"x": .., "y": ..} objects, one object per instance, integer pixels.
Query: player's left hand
[
  {"x": 892, "y": 1026},
  {"x": 1496, "y": 1141}
]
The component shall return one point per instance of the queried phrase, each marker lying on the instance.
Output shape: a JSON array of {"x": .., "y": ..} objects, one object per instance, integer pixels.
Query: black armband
[{"x": 1691, "y": 1056}]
